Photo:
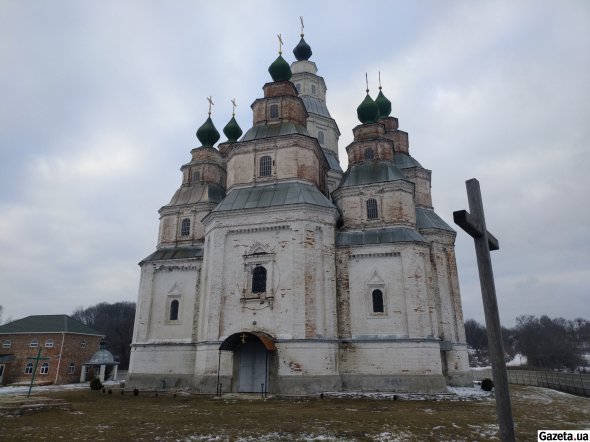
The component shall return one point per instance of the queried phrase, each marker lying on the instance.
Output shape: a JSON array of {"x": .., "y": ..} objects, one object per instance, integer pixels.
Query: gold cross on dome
[
  {"x": 243, "y": 337},
  {"x": 210, "y": 100},
  {"x": 233, "y": 102},
  {"x": 301, "y": 19},
  {"x": 280, "y": 44}
]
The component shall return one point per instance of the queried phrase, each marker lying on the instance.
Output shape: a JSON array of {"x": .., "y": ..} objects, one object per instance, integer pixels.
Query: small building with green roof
[{"x": 65, "y": 344}]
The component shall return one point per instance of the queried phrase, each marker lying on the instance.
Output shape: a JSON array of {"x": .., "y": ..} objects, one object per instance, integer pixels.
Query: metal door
[{"x": 252, "y": 371}]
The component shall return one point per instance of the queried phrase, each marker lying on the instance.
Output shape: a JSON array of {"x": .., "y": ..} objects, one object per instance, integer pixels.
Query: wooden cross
[
  {"x": 36, "y": 359},
  {"x": 475, "y": 225},
  {"x": 233, "y": 102},
  {"x": 280, "y": 44},
  {"x": 210, "y": 100},
  {"x": 301, "y": 19},
  {"x": 367, "y": 82},
  {"x": 244, "y": 336},
  {"x": 379, "y": 80}
]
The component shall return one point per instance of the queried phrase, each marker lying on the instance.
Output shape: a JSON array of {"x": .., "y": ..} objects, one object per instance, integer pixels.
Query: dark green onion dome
[
  {"x": 383, "y": 104},
  {"x": 368, "y": 112},
  {"x": 302, "y": 51},
  {"x": 207, "y": 134},
  {"x": 232, "y": 130},
  {"x": 279, "y": 70}
]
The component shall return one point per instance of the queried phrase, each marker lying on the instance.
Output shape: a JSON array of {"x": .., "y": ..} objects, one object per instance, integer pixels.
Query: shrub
[
  {"x": 487, "y": 384},
  {"x": 95, "y": 384}
]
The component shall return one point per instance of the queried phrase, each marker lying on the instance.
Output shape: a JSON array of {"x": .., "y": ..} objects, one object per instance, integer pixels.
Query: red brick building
[{"x": 65, "y": 342}]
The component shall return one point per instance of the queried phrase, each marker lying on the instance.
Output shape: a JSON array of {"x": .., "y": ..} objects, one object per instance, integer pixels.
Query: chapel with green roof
[{"x": 277, "y": 272}]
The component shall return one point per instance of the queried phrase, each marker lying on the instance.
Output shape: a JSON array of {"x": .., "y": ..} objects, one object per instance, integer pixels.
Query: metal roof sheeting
[
  {"x": 404, "y": 161},
  {"x": 197, "y": 193},
  {"x": 314, "y": 105},
  {"x": 274, "y": 130},
  {"x": 332, "y": 160},
  {"x": 368, "y": 173},
  {"x": 378, "y": 236},
  {"x": 428, "y": 219},
  {"x": 279, "y": 194},
  {"x": 174, "y": 253}
]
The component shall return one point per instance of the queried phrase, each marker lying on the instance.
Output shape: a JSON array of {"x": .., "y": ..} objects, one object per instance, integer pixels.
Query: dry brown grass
[{"x": 98, "y": 416}]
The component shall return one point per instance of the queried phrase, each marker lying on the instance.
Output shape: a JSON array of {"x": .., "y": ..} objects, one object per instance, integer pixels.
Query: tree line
[
  {"x": 546, "y": 343},
  {"x": 116, "y": 322}
]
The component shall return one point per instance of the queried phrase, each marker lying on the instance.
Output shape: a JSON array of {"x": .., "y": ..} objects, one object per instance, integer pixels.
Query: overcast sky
[{"x": 100, "y": 101}]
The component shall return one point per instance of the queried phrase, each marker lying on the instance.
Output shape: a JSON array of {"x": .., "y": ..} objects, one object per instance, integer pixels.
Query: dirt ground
[{"x": 114, "y": 417}]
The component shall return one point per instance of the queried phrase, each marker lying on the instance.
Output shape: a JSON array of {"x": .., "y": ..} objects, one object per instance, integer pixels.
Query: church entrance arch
[{"x": 252, "y": 357}]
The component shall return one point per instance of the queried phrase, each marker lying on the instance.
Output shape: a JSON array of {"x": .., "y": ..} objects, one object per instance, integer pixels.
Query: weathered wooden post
[{"x": 474, "y": 224}]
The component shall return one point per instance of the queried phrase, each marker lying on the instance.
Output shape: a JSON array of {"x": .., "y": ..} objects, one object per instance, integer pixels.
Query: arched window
[
  {"x": 71, "y": 368},
  {"x": 7, "y": 344},
  {"x": 372, "y": 212},
  {"x": 274, "y": 111},
  {"x": 298, "y": 87},
  {"x": 34, "y": 343},
  {"x": 29, "y": 368},
  {"x": 265, "y": 166},
  {"x": 377, "y": 301},
  {"x": 313, "y": 89},
  {"x": 45, "y": 368},
  {"x": 259, "y": 280},
  {"x": 49, "y": 343},
  {"x": 82, "y": 343},
  {"x": 196, "y": 176},
  {"x": 174, "y": 310},
  {"x": 321, "y": 137},
  {"x": 185, "y": 227},
  {"x": 369, "y": 154}
]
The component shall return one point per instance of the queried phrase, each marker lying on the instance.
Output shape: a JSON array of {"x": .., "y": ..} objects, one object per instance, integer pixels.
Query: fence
[{"x": 575, "y": 383}]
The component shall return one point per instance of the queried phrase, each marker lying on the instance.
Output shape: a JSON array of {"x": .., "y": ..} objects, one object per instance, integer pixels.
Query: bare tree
[{"x": 116, "y": 322}]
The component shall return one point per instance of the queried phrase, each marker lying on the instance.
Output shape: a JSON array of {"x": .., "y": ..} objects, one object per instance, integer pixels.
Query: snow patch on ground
[{"x": 22, "y": 389}]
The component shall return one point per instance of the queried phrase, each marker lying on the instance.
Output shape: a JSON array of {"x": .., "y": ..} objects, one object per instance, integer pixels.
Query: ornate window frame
[{"x": 258, "y": 255}]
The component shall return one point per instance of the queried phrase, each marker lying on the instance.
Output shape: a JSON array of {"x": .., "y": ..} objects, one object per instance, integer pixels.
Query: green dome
[
  {"x": 232, "y": 130},
  {"x": 383, "y": 104},
  {"x": 279, "y": 70},
  {"x": 207, "y": 134},
  {"x": 367, "y": 112},
  {"x": 302, "y": 51}
]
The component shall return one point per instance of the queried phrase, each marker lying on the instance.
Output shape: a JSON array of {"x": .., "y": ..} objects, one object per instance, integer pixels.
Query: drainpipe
[{"x": 61, "y": 350}]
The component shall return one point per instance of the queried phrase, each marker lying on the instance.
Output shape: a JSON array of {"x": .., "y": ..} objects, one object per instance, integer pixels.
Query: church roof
[
  {"x": 198, "y": 192},
  {"x": 274, "y": 130},
  {"x": 428, "y": 219},
  {"x": 369, "y": 173},
  {"x": 316, "y": 106},
  {"x": 378, "y": 236},
  {"x": 174, "y": 253},
  {"x": 332, "y": 160},
  {"x": 273, "y": 195},
  {"x": 47, "y": 324},
  {"x": 404, "y": 161}
]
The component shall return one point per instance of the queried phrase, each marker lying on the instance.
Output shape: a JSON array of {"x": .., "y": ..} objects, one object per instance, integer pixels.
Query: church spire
[
  {"x": 207, "y": 133},
  {"x": 367, "y": 112},
  {"x": 232, "y": 130},
  {"x": 382, "y": 102},
  {"x": 302, "y": 51},
  {"x": 279, "y": 70}
]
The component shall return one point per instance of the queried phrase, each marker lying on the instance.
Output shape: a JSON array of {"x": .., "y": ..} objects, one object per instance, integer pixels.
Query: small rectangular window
[
  {"x": 265, "y": 166},
  {"x": 7, "y": 344},
  {"x": 185, "y": 228},
  {"x": 71, "y": 368},
  {"x": 34, "y": 343},
  {"x": 274, "y": 111}
]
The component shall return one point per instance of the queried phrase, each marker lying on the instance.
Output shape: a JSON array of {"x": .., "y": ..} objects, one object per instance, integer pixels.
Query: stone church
[{"x": 278, "y": 272}]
